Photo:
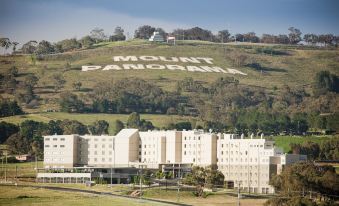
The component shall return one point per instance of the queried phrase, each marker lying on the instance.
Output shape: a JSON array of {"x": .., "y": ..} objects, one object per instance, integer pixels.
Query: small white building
[{"x": 156, "y": 37}]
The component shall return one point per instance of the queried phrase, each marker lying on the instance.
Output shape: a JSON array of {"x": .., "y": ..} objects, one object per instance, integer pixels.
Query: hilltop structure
[
  {"x": 156, "y": 37},
  {"x": 246, "y": 163}
]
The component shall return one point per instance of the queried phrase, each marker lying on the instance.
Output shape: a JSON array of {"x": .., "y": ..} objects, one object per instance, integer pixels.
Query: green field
[
  {"x": 157, "y": 120},
  {"x": 10, "y": 195},
  {"x": 285, "y": 141}
]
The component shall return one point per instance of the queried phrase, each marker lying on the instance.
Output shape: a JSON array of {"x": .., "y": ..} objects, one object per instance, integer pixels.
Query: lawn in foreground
[
  {"x": 211, "y": 200},
  {"x": 10, "y": 195}
]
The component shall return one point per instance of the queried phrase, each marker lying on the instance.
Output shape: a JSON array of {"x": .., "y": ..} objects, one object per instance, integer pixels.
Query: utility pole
[
  {"x": 238, "y": 193},
  {"x": 140, "y": 182},
  {"x": 179, "y": 177}
]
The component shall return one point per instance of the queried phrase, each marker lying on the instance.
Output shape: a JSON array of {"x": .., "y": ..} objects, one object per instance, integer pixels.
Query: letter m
[{"x": 125, "y": 58}]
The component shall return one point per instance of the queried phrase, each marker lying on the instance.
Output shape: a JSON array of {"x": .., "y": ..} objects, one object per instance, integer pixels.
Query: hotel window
[
  {"x": 110, "y": 159},
  {"x": 46, "y": 145},
  {"x": 185, "y": 138},
  {"x": 222, "y": 145},
  {"x": 95, "y": 139},
  {"x": 62, "y": 145},
  {"x": 103, "y": 159},
  {"x": 55, "y": 145},
  {"x": 103, "y": 139},
  {"x": 62, "y": 139},
  {"x": 103, "y": 146},
  {"x": 193, "y": 159},
  {"x": 199, "y": 138},
  {"x": 55, "y": 139},
  {"x": 95, "y": 146},
  {"x": 184, "y": 145},
  {"x": 184, "y": 152},
  {"x": 95, "y": 159},
  {"x": 222, "y": 152},
  {"x": 144, "y": 153},
  {"x": 110, "y": 152},
  {"x": 110, "y": 146},
  {"x": 47, "y": 139},
  {"x": 145, "y": 146},
  {"x": 103, "y": 152},
  {"x": 95, "y": 152}
]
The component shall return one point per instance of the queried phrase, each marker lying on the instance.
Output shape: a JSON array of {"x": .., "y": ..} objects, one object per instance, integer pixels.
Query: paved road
[{"x": 143, "y": 200}]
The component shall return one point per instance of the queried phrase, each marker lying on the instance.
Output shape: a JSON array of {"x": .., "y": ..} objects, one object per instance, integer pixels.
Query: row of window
[
  {"x": 55, "y": 139},
  {"x": 193, "y": 138},
  {"x": 102, "y": 159},
  {"x": 55, "y": 146}
]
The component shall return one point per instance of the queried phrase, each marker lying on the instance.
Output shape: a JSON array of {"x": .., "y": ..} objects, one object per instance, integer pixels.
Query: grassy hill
[{"x": 279, "y": 65}]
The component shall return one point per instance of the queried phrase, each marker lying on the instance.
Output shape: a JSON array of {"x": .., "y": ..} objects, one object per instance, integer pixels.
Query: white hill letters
[{"x": 170, "y": 64}]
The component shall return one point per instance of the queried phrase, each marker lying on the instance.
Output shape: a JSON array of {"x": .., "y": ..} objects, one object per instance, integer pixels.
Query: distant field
[
  {"x": 285, "y": 141},
  {"x": 157, "y": 120},
  {"x": 10, "y": 195}
]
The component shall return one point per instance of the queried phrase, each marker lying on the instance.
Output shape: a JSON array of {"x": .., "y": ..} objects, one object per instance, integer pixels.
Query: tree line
[
  {"x": 98, "y": 35},
  {"x": 231, "y": 107}
]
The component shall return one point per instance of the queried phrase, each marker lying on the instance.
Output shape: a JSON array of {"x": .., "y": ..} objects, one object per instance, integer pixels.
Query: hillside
[
  {"x": 268, "y": 67},
  {"x": 291, "y": 66}
]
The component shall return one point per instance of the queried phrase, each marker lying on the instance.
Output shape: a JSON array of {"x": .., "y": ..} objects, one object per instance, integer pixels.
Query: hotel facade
[{"x": 246, "y": 163}]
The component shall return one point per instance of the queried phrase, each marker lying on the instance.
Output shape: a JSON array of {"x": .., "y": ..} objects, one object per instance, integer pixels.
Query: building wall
[
  {"x": 60, "y": 150},
  {"x": 173, "y": 146},
  {"x": 96, "y": 151},
  {"x": 199, "y": 148},
  {"x": 246, "y": 162}
]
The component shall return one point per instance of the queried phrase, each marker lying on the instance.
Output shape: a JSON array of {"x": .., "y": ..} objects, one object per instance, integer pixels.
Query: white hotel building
[{"x": 247, "y": 163}]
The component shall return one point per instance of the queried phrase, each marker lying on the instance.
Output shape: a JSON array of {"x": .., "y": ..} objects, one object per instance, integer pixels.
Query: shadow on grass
[{"x": 258, "y": 67}]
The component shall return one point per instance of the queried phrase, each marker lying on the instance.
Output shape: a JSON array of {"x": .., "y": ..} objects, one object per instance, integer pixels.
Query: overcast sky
[{"x": 24, "y": 20}]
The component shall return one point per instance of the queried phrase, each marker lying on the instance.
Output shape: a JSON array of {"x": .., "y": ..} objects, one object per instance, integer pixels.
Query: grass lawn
[
  {"x": 10, "y": 195},
  {"x": 211, "y": 200},
  {"x": 25, "y": 169}
]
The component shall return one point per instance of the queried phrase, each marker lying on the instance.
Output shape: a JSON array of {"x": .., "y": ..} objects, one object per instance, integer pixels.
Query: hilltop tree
[
  {"x": 14, "y": 44},
  {"x": 144, "y": 32},
  {"x": 311, "y": 38},
  {"x": 294, "y": 35},
  {"x": 44, "y": 47},
  {"x": 118, "y": 34},
  {"x": 5, "y": 43},
  {"x": 98, "y": 35},
  {"x": 224, "y": 36},
  {"x": 29, "y": 47},
  {"x": 68, "y": 45},
  {"x": 87, "y": 42}
]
